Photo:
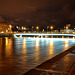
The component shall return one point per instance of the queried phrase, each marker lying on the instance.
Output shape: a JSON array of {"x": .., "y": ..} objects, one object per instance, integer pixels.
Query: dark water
[{"x": 18, "y": 55}]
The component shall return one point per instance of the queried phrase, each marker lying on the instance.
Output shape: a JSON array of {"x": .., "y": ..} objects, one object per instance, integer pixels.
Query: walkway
[{"x": 62, "y": 64}]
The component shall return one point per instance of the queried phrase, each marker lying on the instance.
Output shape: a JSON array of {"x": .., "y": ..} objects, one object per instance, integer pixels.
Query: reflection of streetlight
[
  {"x": 66, "y": 43},
  {"x": 51, "y": 47}
]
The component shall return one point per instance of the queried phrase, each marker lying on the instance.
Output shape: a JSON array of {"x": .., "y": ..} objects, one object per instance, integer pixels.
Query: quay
[
  {"x": 6, "y": 35},
  {"x": 58, "y": 65}
]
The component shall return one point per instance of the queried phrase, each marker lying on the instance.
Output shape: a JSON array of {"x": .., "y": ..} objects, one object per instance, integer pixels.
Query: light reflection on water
[
  {"x": 51, "y": 47},
  {"x": 18, "y": 55}
]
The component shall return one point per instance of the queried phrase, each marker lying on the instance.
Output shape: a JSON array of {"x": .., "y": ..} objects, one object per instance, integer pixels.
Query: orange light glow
[
  {"x": 51, "y": 27},
  {"x": 37, "y": 27},
  {"x": 51, "y": 47}
]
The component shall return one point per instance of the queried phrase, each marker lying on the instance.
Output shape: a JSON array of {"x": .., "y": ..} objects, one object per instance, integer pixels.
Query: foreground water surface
[{"x": 18, "y": 55}]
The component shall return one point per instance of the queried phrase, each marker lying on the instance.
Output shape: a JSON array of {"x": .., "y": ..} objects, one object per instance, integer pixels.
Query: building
[
  {"x": 66, "y": 31},
  {"x": 5, "y": 28}
]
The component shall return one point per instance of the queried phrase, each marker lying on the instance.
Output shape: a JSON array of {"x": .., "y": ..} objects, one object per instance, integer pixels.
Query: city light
[
  {"x": 43, "y": 30},
  {"x": 6, "y": 31},
  {"x": 47, "y": 28},
  {"x": 24, "y": 28},
  {"x": 5, "y": 28},
  {"x": 66, "y": 27},
  {"x": 32, "y": 26},
  {"x": 51, "y": 27},
  {"x": 17, "y": 27},
  {"x": 37, "y": 27},
  {"x": 2, "y": 32},
  {"x": 10, "y": 26}
]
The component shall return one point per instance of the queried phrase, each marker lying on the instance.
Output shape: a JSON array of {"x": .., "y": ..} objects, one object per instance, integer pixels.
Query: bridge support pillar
[{"x": 20, "y": 35}]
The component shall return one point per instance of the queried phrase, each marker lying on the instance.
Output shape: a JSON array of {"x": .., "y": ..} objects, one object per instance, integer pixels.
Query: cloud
[
  {"x": 38, "y": 11},
  {"x": 72, "y": 16}
]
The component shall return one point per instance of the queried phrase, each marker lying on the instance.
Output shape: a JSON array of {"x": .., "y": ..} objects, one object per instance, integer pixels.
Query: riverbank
[
  {"x": 62, "y": 64},
  {"x": 6, "y": 35}
]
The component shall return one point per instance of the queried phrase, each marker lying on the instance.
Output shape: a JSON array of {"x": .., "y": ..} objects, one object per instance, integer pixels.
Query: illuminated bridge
[{"x": 44, "y": 35}]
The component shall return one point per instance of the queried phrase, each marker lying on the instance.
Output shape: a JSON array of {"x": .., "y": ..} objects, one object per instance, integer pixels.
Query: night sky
[{"x": 37, "y": 12}]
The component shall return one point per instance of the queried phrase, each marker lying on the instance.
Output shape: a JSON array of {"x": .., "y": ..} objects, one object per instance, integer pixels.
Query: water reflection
[
  {"x": 18, "y": 55},
  {"x": 51, "y": 46},
  {"x": 66, "y": 43},
  {"x": 37, "y": 43},
  {"x": 24, "y": 46},
  {"x": 37, "y": 52},
  {"x": 8, "y": 47},
  {"x": 6, "y": 41}
]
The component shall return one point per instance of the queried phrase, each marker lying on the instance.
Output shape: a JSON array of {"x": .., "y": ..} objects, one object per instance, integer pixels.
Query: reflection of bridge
[{"x": 44, "y": 35}]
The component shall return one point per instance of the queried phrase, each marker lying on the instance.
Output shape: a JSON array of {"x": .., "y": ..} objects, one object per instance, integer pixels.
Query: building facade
[{"x": 5, "y": 28}]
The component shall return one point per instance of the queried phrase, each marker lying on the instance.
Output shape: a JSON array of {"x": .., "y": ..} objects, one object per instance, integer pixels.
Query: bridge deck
[
  {"x": 44, "y": 34},
  {"x": 41, "y": 35}
]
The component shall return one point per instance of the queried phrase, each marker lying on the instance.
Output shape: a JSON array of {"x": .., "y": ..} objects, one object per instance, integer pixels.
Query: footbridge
[{"x": 44, "y": 35}]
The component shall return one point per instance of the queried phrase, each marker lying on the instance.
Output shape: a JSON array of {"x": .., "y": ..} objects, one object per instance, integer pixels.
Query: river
[{"x": 18, "y": 55}]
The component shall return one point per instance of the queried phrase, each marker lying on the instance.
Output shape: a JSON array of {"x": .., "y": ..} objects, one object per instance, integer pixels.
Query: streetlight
[
  {"x": 24, "y": 28},
  {"x": 37, "y": 28},
  {"x": 32, "y": 28},
  {"x": 51, "y": 28},
  {"x": 66, "y": 27}
]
